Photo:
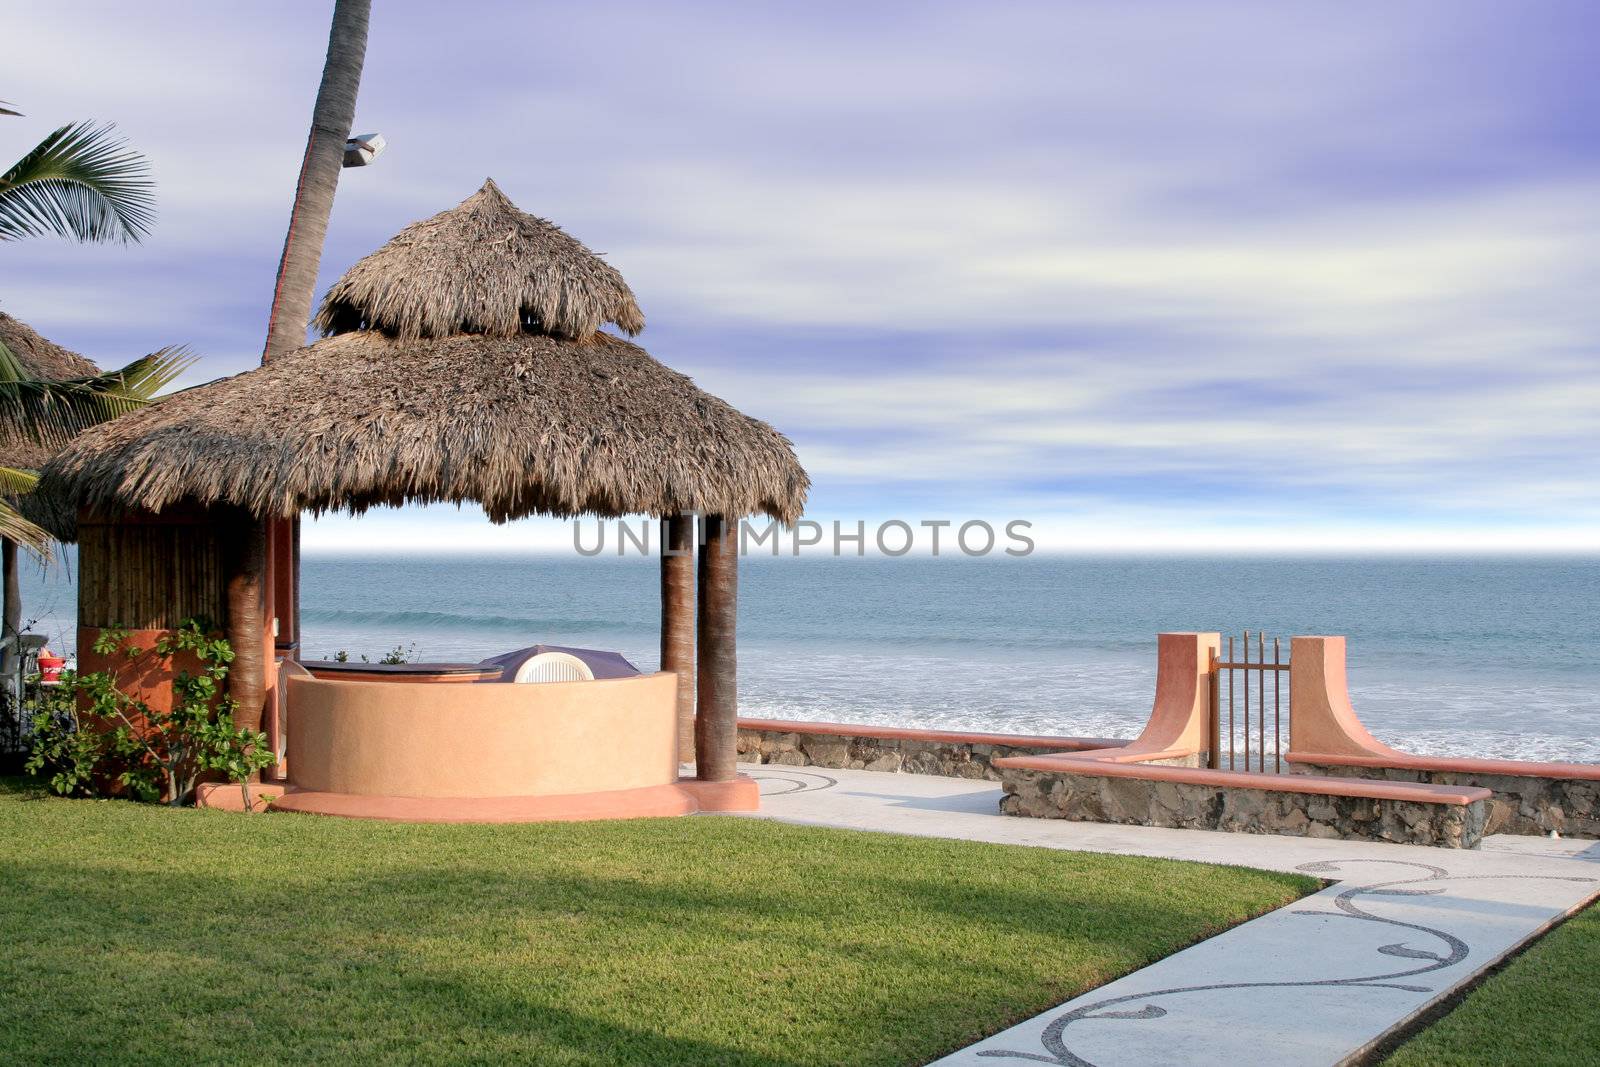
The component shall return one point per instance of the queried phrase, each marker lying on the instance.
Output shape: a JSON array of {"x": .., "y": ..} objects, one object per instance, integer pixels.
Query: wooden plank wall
[{"x": 151, "y": 572}]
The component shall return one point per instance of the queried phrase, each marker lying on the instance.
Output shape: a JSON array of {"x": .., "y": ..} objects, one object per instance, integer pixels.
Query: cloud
[{"x": 1279, "y": 263}]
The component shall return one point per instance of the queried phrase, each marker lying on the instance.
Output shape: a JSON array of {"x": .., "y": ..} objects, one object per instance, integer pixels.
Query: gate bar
[
  {"x": 1261, "y": 701},
  {"x": 1246, "y": 701},
  {"x": 1214, "y": 723},
  {"x": 1277, "y": 708}
]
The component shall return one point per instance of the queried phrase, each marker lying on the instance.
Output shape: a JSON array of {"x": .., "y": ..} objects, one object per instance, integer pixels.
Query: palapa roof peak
[{"x": 483, "y": 267}]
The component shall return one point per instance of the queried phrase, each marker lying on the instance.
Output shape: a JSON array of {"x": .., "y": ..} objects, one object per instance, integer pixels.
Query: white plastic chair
[{"x": 554, "y": 667}]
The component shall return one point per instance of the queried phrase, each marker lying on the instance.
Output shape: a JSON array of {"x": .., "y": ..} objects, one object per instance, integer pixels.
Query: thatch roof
[
  {"x": 481, "y": 267},
  {"x": 39, "y": 357},
  {"x": 525, "y": 425},
  {"x": 523, "y": 407}
]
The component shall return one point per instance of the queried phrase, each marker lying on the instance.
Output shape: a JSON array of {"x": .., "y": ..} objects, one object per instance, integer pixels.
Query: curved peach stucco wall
[
  {"x": 1181, "y": 715},
  {"x": 421, "y": 739},
  {"x": 1321, "y": 718}
]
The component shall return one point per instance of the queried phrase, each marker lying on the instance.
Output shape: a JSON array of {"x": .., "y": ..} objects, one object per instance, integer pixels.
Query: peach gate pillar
[{"x": 1321, "y": 718}]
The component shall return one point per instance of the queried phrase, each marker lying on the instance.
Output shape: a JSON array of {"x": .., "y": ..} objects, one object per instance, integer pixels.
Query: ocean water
[{"x": 1478, "y": 657}]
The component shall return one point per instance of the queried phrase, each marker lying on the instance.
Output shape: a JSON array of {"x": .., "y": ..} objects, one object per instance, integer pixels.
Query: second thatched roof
[
  {"x": 40, "y": 358},
  {"x": 525, "y": 425}
]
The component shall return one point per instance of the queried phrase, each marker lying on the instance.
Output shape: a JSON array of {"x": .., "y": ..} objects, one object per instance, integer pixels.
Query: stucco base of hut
[
  {"x": 650, "y": 802},
  {"x": 229, "y": 796},
  {"x": 496, "y": 752}
]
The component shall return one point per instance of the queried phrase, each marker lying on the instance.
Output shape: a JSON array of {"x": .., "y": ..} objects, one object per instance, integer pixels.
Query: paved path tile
[{"x": 1315, "y": 983}]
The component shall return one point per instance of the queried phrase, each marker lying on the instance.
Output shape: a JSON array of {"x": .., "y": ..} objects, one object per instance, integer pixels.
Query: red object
[{"x": 50, "y": 669}]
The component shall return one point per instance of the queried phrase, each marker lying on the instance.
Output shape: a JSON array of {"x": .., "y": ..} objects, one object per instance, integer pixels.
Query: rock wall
[
  {"x": 1096, "y": 798},
  {"x": 855, "y": 752},
  {"x": 1520, "y": 805}
]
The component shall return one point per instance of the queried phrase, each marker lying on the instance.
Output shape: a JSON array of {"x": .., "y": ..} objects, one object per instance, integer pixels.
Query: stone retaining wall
[
  {"x": 1142, "y": 802},
  {"x": 1521, "y": 804},
  {"x": 953, "y": 759}
]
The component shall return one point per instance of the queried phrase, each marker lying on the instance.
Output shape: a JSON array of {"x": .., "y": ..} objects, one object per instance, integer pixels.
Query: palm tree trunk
[
  {"x": 246, "y": 592},
  {"x": 716, "y": 726},
  {"x": 677, "y": 620},
  {"x": 331, "y": 119}
]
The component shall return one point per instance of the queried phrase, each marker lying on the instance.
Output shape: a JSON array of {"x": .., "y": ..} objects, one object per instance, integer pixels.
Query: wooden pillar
[
  {"x": 294, "y": 587},
  {"x": 282, "y": 614},
  {"x": 678, "y": 621},
  {"x": 281, "y": 565},
  {"x": 247, "y": 599},
  {"x": 716, "y": 725}
]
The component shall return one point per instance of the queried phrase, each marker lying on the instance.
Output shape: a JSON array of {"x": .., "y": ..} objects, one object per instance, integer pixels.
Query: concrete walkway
[{"x": 1316, "y": 983}]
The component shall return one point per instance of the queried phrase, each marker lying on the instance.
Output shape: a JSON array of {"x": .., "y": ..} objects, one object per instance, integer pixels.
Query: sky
[{"x": 1151, "y": 277}]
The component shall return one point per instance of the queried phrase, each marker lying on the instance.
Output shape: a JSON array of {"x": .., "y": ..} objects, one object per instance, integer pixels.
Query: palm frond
[
  {"x": 53, "y": 412},
  {"x": 14, "y": 481},
  {"x": 81, "y": 182},
  {"x": 6, "y": 110},
  {"x": 16, "y": 528},
  {"x": 146, "y": 376}
]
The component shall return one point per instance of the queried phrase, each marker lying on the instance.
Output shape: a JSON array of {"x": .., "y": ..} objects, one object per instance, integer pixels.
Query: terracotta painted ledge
[
  {"x": 1137, "y": 753},
  {"x": 737, "y": 794},
  {"x": 685, "y": 797},
  {"x": 1405, "y": 761},
  {"x": 897, "y": 733},
  {"x": 1316, "y": 785},
  {"x": 227, "y": 796}
]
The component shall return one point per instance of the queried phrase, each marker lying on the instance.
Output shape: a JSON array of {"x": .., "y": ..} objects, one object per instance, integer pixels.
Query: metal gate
[{"x": 1239, "y": 705}]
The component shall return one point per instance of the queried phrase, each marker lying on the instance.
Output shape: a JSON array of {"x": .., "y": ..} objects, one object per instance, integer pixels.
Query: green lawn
[
  {"x": 142, "y": 934},
  {"x": 1544, "y": 1008}
]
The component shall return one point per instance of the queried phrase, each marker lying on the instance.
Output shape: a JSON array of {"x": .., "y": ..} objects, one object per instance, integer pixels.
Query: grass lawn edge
[
  {"x": 1043, "y": 901},
  {"x": 1415, "y": 1027}
]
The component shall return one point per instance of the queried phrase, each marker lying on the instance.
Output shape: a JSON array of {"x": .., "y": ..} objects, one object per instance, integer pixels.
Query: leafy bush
[
  {"x": 71, "y": 749},
  {"x": 90, "y": 732}
]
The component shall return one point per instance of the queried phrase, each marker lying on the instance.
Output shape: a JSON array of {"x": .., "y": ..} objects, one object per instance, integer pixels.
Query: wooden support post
[
  {"x": 281, "y": 565},
  {"x": 294, "y": 587},
  {"x": 678, "y": 621},
  {"x": 246, "y": 626},
  {"x": 716, "y": 726},
  {"x": 283, "y": 609}
]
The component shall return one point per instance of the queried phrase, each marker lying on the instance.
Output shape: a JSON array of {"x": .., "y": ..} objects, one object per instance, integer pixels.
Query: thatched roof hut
[
  {"x": 464, "y": 363},
  {"x": 42, "y": 358}
]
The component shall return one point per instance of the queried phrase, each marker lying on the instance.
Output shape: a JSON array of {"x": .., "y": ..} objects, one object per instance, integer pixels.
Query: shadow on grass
[{"x": 140, "y": 934}]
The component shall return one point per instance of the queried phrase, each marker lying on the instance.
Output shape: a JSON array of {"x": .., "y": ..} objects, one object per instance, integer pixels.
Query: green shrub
[{"x": 89, "y": 732}]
